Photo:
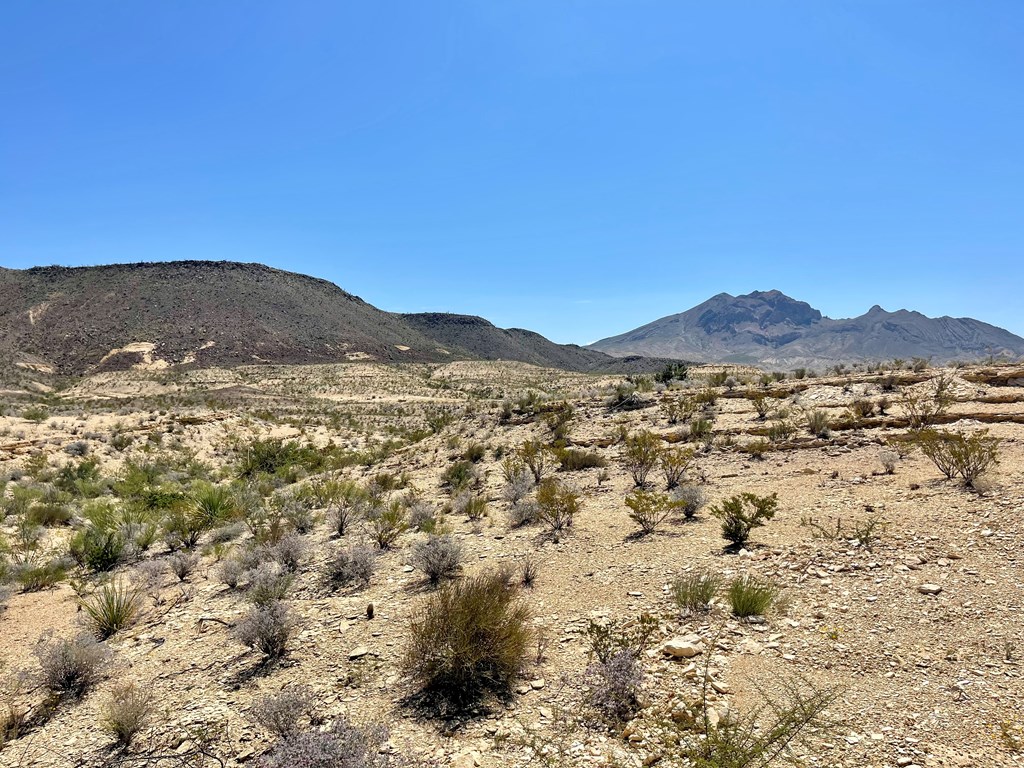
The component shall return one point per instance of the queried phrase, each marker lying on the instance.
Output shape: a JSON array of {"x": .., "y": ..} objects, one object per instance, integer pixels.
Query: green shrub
[
  {"x": 97, "y": 549},
  {"x": 955, "y": 453},
  {"x": 557, "y": 505},
  {"x": 474, "y": 453},
  {"x": 574, "y": 460},
  {"x": 388, "y": 523},
  {"x": 751, "y": 596},
  {"x": 818, "y": 423},
  {"x": 674, "y": 464},
  {"x": 649, "y": 509},
  {"x": 468, "y": 639},
  {"x": 693, "y": 592},
  {"x": 743, "y": 512},
  {"x": 609, "y": 638},
  {"x": 641, "y": 454},
  {"x": 458, "y": 477},
  {"x": 534, "y": 455},
  {"x": 111, "y": 608}
]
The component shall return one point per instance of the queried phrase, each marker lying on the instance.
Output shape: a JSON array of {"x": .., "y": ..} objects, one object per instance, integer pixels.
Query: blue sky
[{"x": 577, "y": 168}]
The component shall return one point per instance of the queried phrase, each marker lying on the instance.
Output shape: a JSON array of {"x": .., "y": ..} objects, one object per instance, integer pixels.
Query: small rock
[
  {"x": 929, "y": 589},
  {"x": 537, "y": 684},
  {"x": 358, "y": 653},
  {"x": 683, "y": 647}
]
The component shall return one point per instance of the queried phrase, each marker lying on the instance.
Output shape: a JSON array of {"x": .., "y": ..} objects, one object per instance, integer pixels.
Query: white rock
[
  {"x": 929, "y": 589},
  {"x": 683, "y": 647}
]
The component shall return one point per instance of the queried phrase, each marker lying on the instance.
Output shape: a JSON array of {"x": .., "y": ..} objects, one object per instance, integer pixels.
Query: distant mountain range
[
  {"x": 76, "y": 320},
  {"x": 771, "y": 329}
]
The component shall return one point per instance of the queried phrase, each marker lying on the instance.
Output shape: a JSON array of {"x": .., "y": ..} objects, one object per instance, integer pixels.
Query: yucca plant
[{"x": 112, "y": 608}]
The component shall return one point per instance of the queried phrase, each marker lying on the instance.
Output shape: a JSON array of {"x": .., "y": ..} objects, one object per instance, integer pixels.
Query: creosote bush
[
  {"x": 741, "y": 513},
  {"x": 956, "y": 453},
  {"x": 649, "y": 509},
  {"x": 641, "y": 453},
  {"x": 674, "y": 464},
  {"x": 557, "y": 505},
  {"x": 468, "y": 639}
]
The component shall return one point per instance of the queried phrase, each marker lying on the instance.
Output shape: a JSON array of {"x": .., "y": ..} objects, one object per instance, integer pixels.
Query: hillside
[
  {"x": 72, "y": 321},
  {"x": 772, "y": 329}
]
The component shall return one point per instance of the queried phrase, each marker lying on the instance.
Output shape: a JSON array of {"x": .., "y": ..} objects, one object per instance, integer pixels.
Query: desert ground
[{"x": 900, "y": 595}]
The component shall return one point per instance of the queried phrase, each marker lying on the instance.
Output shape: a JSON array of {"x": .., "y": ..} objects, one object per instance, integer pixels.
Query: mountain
[
  {"x": 76, "y": 320},
  {"x": 770, "y": 328}
]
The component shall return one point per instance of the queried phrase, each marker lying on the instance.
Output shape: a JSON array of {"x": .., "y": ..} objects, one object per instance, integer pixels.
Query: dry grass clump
[
  {"x": 71, "y": 667},
  {"x": 128, "y": 710},
  {"x": 468, "y": 639},
  {"x": 267, "y": 629},
  {"x": 439, "y": 557},
  {"x": 693, "y": 592}
]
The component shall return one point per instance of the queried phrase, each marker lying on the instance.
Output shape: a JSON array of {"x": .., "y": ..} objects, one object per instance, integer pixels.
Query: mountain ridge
[{"x": 771, "y": 328}]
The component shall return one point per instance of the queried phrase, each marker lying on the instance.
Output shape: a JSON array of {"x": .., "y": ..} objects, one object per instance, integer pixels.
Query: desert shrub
[
  {"x": 574, "y": 459},
  {"x": 282, "y": 713},
  {"x": 756, "y": 449},
  {"x": 267, "y": 629},
  {"x": 615, "y": 686},
  {"x": 818, "y": 423},
  {"x": 459, "y": 476},
  {"x": 351, "y": 566},
  {"x": 469, "y": 504},
  {"x": 743, "y": 512},
  {"x": 559, "y": 420},
  {"x": 925, "y": 406},
  {"x": 799, "y": 373},
  {"x": 268, "y": 457},
  {"x": 474, "y": 453},
  {"x": 289, "y": 552},
  {"x": 689, "y": 499},
  {"x": 71, "y": 667},
  {"x": 700, "y": 429},
  {"x": 693, "y": 592},
  {"x": 607, "y": 638},
  {"x": 861, "y": 408},
  {"x": 343, "y": 745},
  {"x": 534, "y": 455},
  {"x": 37, "y": 575},
  {"x": 268, "y": 583},
  {"x": 468, "y": 639},
  {"x": 518, "y": 479},
  {"x": 387, "y": 523},
  {"x": 439, "y": 557},
  {"x": 623, "y": 397},
  {"x": 97, "y": 549},
  {"x": 756, "y": 739},
  {"x": 183, "y": 564},
  {"x": 751, "y": 596},
  {"x": 127, "y": 712},
  {"x": 529, "y": 569},
  {"x": 888, "y": 459},
  {"x": 214, "y": 505},
  {"x": 423, "y": 516},
  {"x": 649, "y": 509},
  {"x": 231, "y": 572},
  {"x": 762, "y": 404},
  {"x": 780, "y": 430},
  {"x": 111, "y": 608},
  {"x": 557, "y": 505},
  {"x": 641, "y": 454},
  {"x": 674, "y": 464},
  {"x": 523, "y": 512},
  {"x": 347, "y": 507},
  {"x": 955, "y": 453}
]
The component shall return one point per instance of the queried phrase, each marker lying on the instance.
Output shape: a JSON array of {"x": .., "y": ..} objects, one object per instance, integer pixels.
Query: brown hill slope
[{"x": 213, "y": 313}]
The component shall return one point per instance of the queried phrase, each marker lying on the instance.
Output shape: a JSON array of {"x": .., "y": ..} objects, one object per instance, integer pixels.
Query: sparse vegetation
[
  {"x": 468, "y": 639},
  {"x": 741, "y": 513}
]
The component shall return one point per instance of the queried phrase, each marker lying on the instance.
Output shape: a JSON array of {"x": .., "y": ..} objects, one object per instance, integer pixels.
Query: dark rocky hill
[
  {"x": 770, "y": 328},
  {"x": 70, "y": 321}
]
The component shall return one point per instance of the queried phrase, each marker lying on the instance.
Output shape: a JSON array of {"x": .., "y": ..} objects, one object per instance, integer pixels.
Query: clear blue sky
[{"x": 578, "y": 168}]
